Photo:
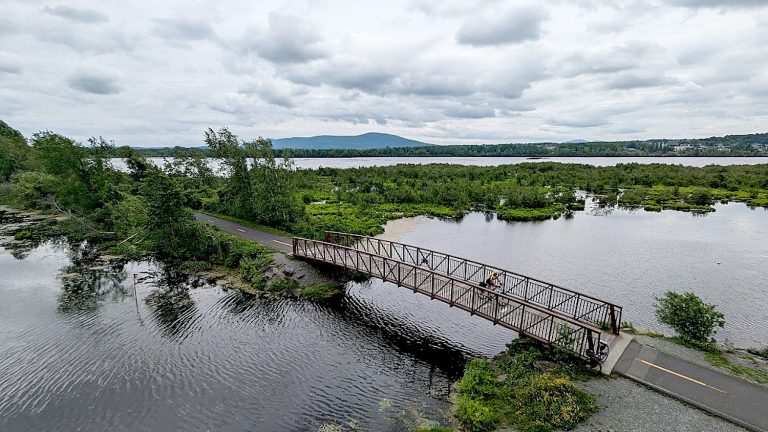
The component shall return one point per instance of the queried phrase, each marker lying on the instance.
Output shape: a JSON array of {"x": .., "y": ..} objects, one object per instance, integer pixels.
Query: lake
[
  {"x": 78, "y": 349},
  {"x": 314, "y": 163},
  {"x": 626, "y": 257}
]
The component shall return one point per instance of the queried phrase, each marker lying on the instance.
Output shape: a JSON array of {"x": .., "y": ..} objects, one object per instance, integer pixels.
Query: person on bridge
[{"x": 493, "y": 281}]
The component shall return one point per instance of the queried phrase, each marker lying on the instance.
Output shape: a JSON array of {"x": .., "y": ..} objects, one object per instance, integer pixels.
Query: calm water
[
  {"x": 79, "y": 351},
  {"x": 314, "y": 163},
  {"x": 627, "y": 257}
]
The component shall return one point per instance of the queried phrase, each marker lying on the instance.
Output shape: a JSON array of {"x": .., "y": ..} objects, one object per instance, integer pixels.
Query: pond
[{"x": 626, "y": 257}]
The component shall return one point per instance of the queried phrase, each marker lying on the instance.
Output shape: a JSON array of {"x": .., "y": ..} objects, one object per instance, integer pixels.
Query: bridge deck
[
  {"x": 546, "y": 325},
  {"x": 574, "y": 304}
]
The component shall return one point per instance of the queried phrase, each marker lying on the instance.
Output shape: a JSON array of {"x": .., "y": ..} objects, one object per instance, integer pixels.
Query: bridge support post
[
  {"x": 614, "y": 324},
  {"x": 432, "y": 278}
]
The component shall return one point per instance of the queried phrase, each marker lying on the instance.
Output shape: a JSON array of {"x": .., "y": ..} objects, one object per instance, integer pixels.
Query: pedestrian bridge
[{"x": 549, "y": 313}]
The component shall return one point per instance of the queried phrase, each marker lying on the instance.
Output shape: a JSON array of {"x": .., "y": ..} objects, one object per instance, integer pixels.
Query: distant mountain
[
  {"x": 575, "y": 141},
  {"x": 366, "y": 141}
]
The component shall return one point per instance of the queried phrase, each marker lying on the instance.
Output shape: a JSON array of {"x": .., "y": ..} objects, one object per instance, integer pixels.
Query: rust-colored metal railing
[
  {"x": 546, "y": 325},
  {"x": 574, "y": 304}
]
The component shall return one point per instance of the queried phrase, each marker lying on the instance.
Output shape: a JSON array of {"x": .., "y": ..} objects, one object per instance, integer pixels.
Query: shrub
[
  {"x": 195, "y": 266},
  {"x": 319, "y": 291},
  {"x": 699, "y": 196},
  {"x": 251, "y": 270},
  {"x": 694, "y": 320},
  {"x": 22, "y": 235},
  {"x": 536, "y": 427},
  {"x": 474, "y": 415},
  {"x": 282, "y": 285},
  {"x": 554, "y": 401},
  {"x": 479, "y": 380}
]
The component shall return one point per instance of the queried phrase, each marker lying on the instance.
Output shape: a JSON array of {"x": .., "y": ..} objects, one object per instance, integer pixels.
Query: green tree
[
  {"x": 172, "y": 230},
  {"x": 274, "y": 201},
  {"x": 14, "y": 151},
  {"x": 86, "y": 181},
  {"x": 693, "y": 319},
  {"x": 237, "y": 195}
]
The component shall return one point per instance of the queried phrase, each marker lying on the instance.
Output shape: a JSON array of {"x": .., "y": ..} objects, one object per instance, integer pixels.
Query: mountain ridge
[{"x": 366, "y": 141}]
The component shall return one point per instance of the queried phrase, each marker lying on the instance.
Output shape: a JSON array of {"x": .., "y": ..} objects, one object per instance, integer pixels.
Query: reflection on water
[
  {"x": 87, "y": 282},
  {"x": 78, "y": 349},
  {"x": 627, "y": 257},
  {"x": 314, "y": 163}
]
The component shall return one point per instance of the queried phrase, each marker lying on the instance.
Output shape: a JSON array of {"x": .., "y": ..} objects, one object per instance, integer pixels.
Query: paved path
[
  {"x": 283, "y": 244},
  {"x": 726, "y": 396}
]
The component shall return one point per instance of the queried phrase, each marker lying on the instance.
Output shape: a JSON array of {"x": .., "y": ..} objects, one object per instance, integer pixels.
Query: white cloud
[
  {"x": 99, "y": 83},
  {"x": 498, "y": 27},
  {"x": 451, "y": 71}
]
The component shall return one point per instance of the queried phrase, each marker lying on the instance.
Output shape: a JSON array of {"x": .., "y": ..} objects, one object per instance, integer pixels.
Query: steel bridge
[{"x": 546, "y": 312}]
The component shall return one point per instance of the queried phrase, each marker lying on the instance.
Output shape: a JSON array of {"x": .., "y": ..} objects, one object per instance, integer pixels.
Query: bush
[
  {"x": 694, "y": 320},
  {"x": 22, "y": 235},
  {"x": 474, "y": 415},
  {"x": 554, "y": 401},
  {"x": 699, "y": 196},
  {"x": 282, "y": 285},
  {"x": 478, "y": 381},
  {"x": 319, "y": 291},
  {"x": 251, "y": 270}
]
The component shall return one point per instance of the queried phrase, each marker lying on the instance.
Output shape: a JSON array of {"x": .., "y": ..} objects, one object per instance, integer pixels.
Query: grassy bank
[
  {"x": 748, "y": 364},
  {"x": 528, "y": 387}
]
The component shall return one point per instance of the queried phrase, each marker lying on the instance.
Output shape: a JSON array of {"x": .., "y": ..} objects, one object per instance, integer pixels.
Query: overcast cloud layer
[{"x": 151, "y": 73}]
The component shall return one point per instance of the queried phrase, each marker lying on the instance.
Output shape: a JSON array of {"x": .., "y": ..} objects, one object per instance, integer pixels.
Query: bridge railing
[
  {"x": 528, "y": 319},
  {"x": 572, "y": 303}
]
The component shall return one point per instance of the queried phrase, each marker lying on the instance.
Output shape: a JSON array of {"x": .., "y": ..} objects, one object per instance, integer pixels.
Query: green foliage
[
  {"x": 171, "y": 229},
  {"x": 718, "y": 358},
  {"x": 319, "y": 291},
  {"x": 699, "y": 196},
  {"x": 362, "y": 200},
  {"x": 478, "y": 381},
  {"x": 282, "y": 285},
  {"x": 264, "y": 192},
  {"x": 511, "y": 390},
  {"x": 22, "y": 235},
  {"x": 694, "y": 320},
  {"x": 536, "y": 427},
  {"x": 554, "y": 401},
  {"x": 474, "y": 415},
  {"x": 33, "y": 189},
  {"x": 252, "y": 270},
  {"x": 195, "y": 266},
  {"x": 14, "y": 151}
]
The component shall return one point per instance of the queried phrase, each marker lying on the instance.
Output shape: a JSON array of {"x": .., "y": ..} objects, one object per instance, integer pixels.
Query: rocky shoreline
[{"x": 283, "y": 277}]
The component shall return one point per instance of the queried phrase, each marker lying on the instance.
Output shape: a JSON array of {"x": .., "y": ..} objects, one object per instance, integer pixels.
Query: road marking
[
  {"x": 210, "y": 221},
  {"x": 682, "y": 376},
  {"x": 282, "y": 243},
  {"x": 240, "y": 230}
]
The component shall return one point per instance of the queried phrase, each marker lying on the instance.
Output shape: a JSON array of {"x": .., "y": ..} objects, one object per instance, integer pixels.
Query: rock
[
  {"x": 544, "y": 365},
  {"x": 501, "y": 378},
  {"x": 288, "y": 271}
]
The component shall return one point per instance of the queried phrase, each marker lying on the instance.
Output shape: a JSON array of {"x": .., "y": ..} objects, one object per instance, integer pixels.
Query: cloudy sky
[{"x": 156, "y": 73}]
